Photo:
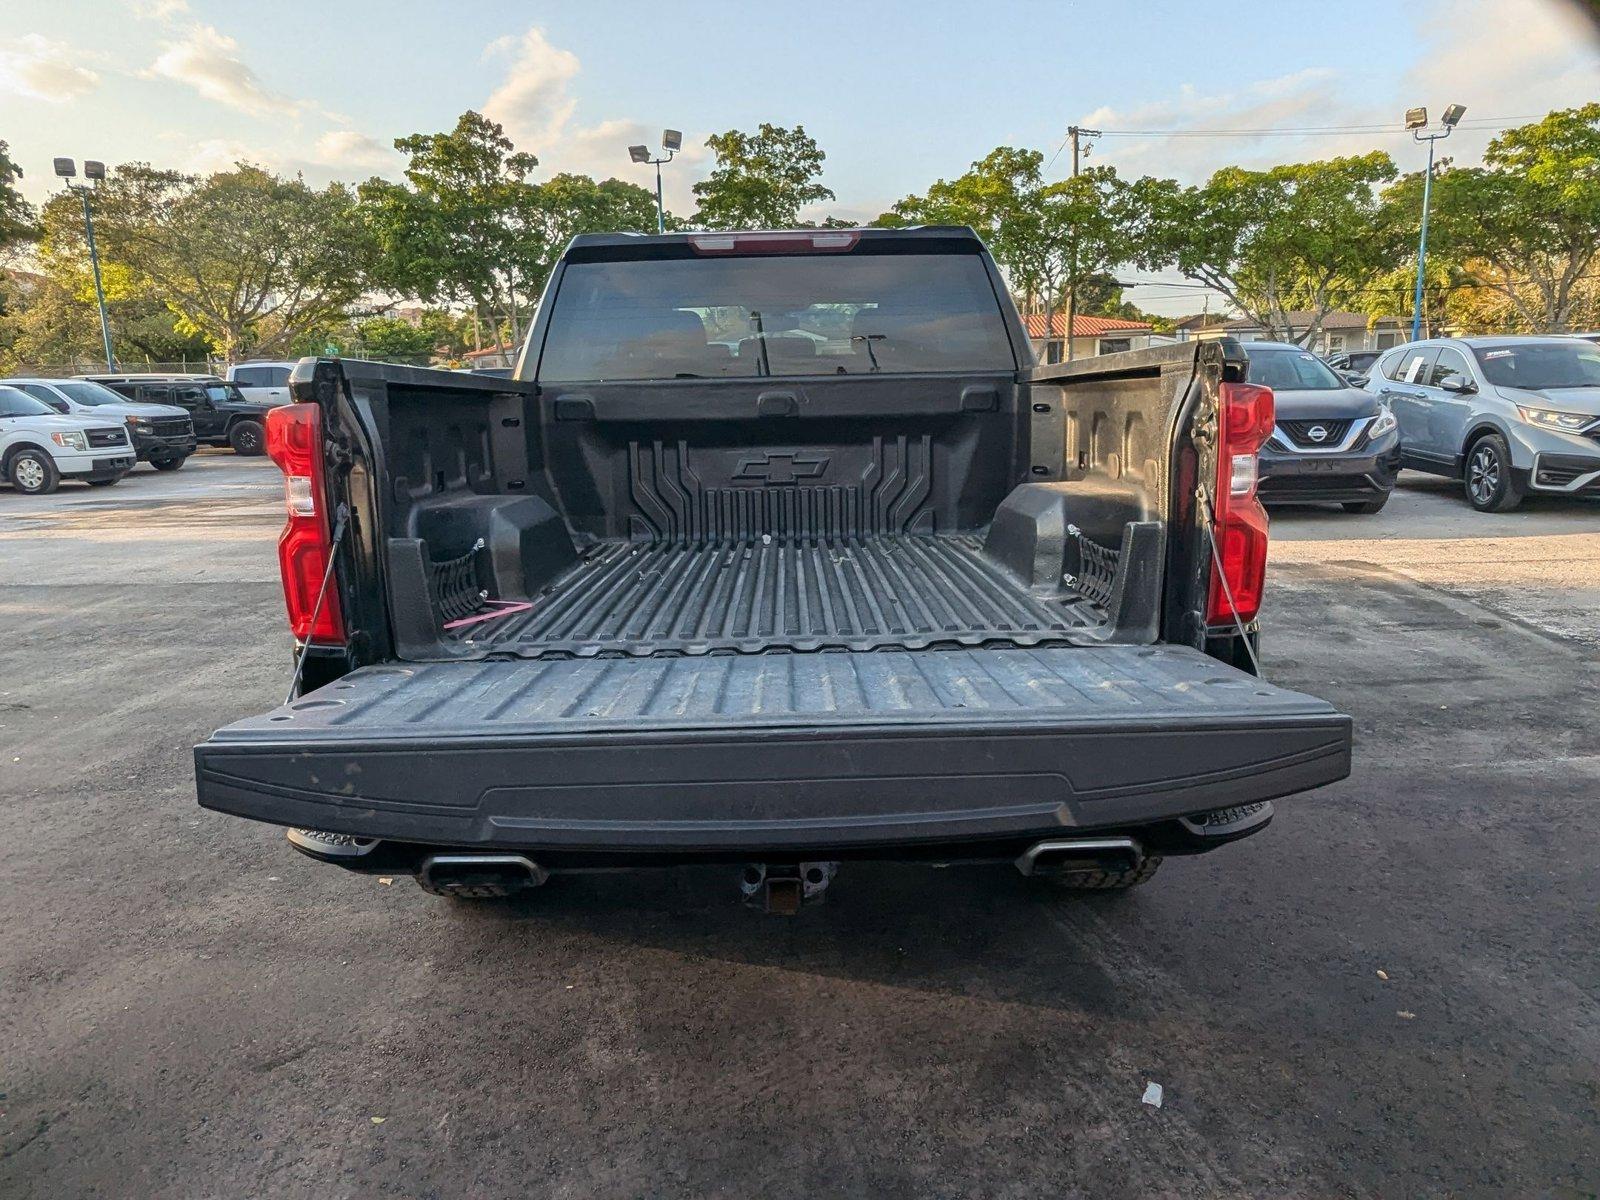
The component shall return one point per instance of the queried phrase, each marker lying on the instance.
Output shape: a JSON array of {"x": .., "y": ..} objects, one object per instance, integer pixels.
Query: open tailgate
[{"x": 741, "y": 752}]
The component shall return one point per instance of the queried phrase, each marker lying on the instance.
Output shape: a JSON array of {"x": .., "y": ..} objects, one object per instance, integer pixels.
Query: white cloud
[
  {"x": 1513, "y": 59},
  {"x": 350, "y": 148},
  {"x": 532, "y": 101},
  {"x": 535, "y": 105},
  {"x": 209, "y": 61},
  {"x": 158, "y": 10},
  {"x": 35, "y": 67}
]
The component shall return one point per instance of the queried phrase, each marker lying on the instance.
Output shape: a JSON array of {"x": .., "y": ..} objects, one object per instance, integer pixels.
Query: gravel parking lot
[{"x": 1394, "y": 991}]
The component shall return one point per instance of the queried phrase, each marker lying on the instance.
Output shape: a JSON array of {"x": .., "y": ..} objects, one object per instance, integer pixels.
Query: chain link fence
[{"x": 66, "y": 368}]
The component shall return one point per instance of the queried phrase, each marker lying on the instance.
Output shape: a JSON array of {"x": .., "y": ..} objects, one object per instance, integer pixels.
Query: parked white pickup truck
[{"x": 39, "y": 447}]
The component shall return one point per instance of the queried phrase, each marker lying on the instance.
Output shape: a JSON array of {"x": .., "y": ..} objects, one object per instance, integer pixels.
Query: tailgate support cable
[
  {"x": 1208, "y": 524},
  {"x": 341, "y": 516}
]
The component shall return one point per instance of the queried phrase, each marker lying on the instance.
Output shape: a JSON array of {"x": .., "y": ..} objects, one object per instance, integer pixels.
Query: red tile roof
[{"x": 1083, "y": 326}]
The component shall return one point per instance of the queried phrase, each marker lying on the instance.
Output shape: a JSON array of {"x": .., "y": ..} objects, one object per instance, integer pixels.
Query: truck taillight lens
[
  {"x": 294, "y": 442},
  {"x": 1241, "y": 523}
]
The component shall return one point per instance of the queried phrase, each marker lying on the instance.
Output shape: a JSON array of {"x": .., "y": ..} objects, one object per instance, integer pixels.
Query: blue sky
[{"x": 897, "y": 94}]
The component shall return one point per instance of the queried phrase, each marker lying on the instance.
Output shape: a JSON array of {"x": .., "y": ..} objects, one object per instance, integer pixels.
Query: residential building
[
  {"x": 1090, "y": 336},
  {"x": 1339, "y": 332}
]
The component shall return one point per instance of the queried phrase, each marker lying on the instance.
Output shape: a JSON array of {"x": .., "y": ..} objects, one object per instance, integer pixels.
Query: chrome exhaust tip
[
  {"x": 479, "y": 876},
  {"x": 1080, "y": 856}
]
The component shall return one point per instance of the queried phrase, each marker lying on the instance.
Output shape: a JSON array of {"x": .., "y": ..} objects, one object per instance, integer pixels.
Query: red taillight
[
  {"x": 294, "y": 442},
  {"x": 1241, "y": 523},
  {"x": 790, "y": 241}
]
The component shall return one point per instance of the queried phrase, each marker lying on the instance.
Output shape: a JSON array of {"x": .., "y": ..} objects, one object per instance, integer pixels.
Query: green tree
[
  {"x": 466, "y": 225},
  {"x": 16, "y": 218},
  {"x": 761, "y": 180},
  {"x": 16, "y": 214},
  {"x": 1526, "y": 224},
  {"x": 244, "y": 259},
  {"x": 1049, "y": 238},
  {"x": 1303, "y": 236},
  {"x": 572, "y": 204}
]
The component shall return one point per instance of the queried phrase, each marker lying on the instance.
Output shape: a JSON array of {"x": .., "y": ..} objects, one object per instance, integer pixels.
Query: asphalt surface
[{"x": 1394, "y": 991}]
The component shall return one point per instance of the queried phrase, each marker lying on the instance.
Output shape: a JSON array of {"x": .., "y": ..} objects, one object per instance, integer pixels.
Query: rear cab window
[{"x": 731, "y": 317}]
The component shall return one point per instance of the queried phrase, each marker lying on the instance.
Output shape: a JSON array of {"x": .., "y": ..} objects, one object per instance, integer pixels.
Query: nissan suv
[
  {"x": 1332, "y": 443},
  {"x": 1507, "y": 416}
]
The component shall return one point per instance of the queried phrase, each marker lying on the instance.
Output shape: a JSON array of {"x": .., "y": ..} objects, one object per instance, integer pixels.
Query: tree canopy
[
  {"x": 1049, "y": 238},
  {"x": 762, "y": 180},
  {"x": 1301, "y": 236},
  {"x": 16, "y": 214},
  {"x": 470, "y": 225},
  {"x": 243, "y": 258},
  {"x": 1526, "y": 224}
]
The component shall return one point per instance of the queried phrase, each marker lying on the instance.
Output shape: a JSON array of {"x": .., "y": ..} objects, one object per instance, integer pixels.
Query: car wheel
[
  {"x": 247, "y": 438},
  {"x": 1488, "y": 481},
  {"x": 1366, "y": 507},
  {"x": 33, "y": 472},
  {"x": 1103, "y": 881},
  {"x": 168, "y": 464}
]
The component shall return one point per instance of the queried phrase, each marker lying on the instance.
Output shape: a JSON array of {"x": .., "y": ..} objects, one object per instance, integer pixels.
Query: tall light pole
[
  {"x": 1417, "y": 121},
  {"x": 671, "y": 143},
  {"x": 94, "y": 172}
]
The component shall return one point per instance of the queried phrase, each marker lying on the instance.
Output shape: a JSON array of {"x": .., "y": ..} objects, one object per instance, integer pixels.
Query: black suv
[{"x": 222, "y": 416}]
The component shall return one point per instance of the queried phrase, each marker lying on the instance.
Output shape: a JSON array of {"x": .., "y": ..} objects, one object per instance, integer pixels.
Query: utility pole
[{"x": 1079, "y": 138}]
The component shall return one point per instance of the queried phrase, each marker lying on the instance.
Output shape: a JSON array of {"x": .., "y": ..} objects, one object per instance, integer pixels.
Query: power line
[{"x": 1486, "y": 123}]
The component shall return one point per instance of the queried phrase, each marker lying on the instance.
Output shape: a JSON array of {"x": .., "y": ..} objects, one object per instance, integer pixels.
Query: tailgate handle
[{"x": 777, "y": 404}]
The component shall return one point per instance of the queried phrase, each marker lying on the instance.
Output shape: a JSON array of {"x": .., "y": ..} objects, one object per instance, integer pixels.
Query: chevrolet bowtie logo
[{"x": 778, "y": 468}]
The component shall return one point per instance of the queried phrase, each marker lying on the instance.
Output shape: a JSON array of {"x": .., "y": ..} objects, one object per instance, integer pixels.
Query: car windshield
[
  {"x": 716, "y": 318},
  {"x": 90, "y": 394},
  {"x": 14, "y": 402},
  {"x": 1292, "y": 371},
  {"x": 1539, "y": 365}
]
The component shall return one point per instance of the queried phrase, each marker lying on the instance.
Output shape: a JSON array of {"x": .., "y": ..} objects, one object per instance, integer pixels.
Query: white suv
[
  {"x": 262, "y": 382},
  {"x": 39, "y": 447}
]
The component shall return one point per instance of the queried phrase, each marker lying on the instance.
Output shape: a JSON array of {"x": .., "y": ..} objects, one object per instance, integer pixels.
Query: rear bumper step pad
[{"x": 743, "y": 752}]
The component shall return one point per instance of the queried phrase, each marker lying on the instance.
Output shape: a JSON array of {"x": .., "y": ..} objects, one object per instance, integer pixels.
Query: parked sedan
[
  {"x": 163, "y": 434},
  {"x": 1505, "y": 415},
  {"x": 1333, "y": 442}
]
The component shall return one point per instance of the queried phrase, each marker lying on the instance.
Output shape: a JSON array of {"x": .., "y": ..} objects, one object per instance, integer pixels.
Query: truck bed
[
  {"x": 760, "y": 593},
  {"x": 744, "y": 752}
]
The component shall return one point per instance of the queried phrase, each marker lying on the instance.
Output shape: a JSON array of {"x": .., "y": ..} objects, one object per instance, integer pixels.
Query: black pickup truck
[{"x": 777, "y": 551}]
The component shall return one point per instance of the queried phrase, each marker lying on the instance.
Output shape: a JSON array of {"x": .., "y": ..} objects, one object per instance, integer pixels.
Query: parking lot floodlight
[
  {"x": 1416, "y": 118},
  {"x": 66, "y": 168},
  {"x": 93, "y": 169},
  {"x": 1452, "y": 114},
  {"x": 672, "y": 140},
  {"x": 639, "y": 154}
]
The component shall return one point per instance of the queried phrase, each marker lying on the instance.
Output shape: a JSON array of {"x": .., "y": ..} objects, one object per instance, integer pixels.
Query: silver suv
[{"x": 1506, "y": 415}]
